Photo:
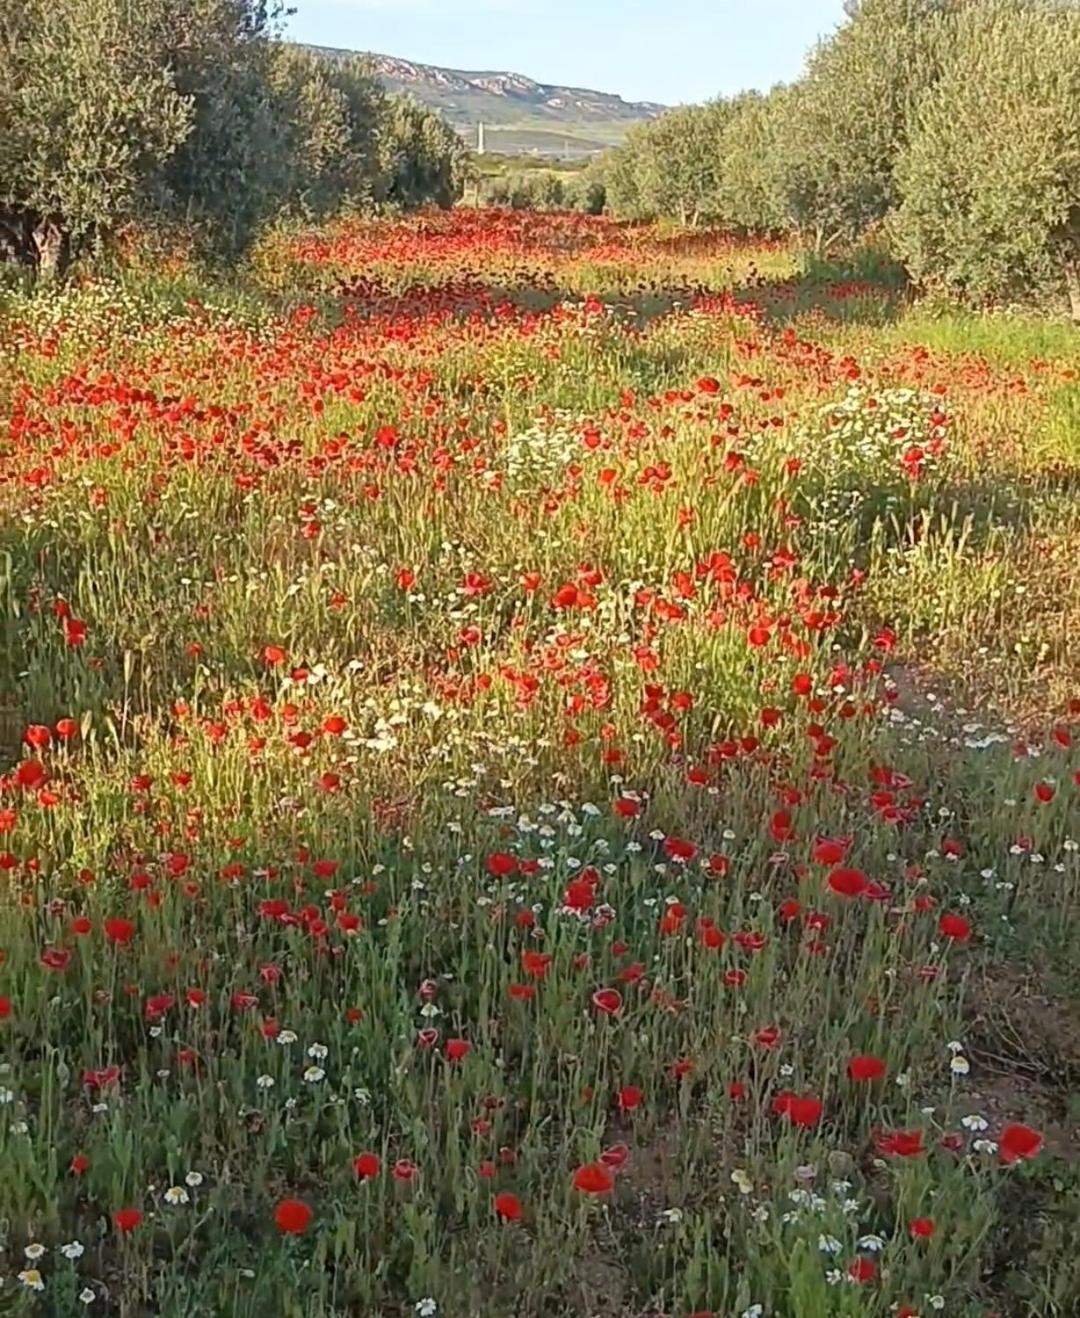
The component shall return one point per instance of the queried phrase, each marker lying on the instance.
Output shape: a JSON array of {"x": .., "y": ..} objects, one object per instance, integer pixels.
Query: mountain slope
[{"x": 518, "y": 113}]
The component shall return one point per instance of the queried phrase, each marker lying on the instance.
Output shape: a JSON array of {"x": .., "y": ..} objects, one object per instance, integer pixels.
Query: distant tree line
[
  {"x": 952, "y": 126},
  {"x": 543, "y": 189},
  {"x": 191, "y": 111}
]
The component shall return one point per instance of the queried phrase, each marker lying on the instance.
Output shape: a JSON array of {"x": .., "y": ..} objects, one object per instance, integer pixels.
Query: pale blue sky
[{"x": 659, "y": 50}]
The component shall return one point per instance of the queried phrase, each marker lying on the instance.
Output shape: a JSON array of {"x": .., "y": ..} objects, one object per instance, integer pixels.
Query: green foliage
[
  {"x": 188, "y": 111},
  {"x": 951, "y": 125},
  {"x": 423, "y": 158},
  {"x": 991, "y": 180},
  {"x": 331, "y": 113},
  {"x": 671, "y": 165},
  {"x": 753, "y": 150},
  {"x": 227, "y": 175},
  {"x": 90, "y": 114},
  {"x": 545, "y": 190},
  {"x": 849, "y": 117}
]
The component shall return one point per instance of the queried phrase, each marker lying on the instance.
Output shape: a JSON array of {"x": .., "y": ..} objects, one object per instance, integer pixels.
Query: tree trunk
[
  {"x": 16, "y": 242},
  {"x": 1072, "y": 287},
  {"x": 53, "y": 245}
]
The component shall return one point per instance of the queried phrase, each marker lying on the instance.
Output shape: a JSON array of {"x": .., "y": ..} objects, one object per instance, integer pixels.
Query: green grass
[{"x": 500, "y": 695}]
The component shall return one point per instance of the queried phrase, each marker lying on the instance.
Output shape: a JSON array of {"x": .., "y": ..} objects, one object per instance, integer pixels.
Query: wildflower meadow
[{"x": 538, "y": 777}]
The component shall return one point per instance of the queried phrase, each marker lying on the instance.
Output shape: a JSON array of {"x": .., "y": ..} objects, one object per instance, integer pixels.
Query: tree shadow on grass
[{"x": 866, "y": 289}]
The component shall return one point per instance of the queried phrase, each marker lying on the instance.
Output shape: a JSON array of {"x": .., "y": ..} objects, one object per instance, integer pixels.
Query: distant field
[
  {"x": 509, "y": 141},
  {"x": 500, "y": 164}
]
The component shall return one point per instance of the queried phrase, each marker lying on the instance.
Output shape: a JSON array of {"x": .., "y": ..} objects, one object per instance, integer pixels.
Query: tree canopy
[
  {"x": 951, "y": 125},
  {"x": 990, "y": 184},
  {"x": 192, "y": 111}
]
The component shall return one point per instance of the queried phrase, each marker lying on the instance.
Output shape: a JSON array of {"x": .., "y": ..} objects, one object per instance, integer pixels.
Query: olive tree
[
  {"x": 90, "y": 116},
  {"x": 670, "y": 166},
  {"x": 753, "y": 160},
  {"x": 121, "y": 109},
  {"x": 990, "y": 182},
  {"x": 329, "y": 113},
  {"x": 423, "y": 160},
  {"x": 230, "y": 172},
  {"x": 850, "y": 115}
]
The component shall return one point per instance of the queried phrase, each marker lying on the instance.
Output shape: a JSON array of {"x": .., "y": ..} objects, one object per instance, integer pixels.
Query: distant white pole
[{"x": 480, "y": 139}]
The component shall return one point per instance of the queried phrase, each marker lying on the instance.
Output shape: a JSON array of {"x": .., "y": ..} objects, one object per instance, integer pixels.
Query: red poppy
[
  {"x": 751, "y": 940},
  {"x": 501, "y": 864},
  {"x": 119, "y": 930},
  {"x": 615, "y": 1156},
  {"x": 292, "y": 1217},
  {"x": 608, "y": 1001},
  {"x": 508, "y": 1207},
  {"x": 457, "y": 1049},
  {"x": 404, "y": 1170},
  {"x": 55, "y": 958},
  {"x": 30, "y": 775},
  {"x": 594, "y": 1178},
  {"x": 79, "y": 1164},
  {"x": 955, "y": 927},
  {"x": 848, "y": 882},
  {"x": 629, "y": 1097},
  {"x": 1018, "y": 1142},
  {"x": 678, "y": 848},
  {"x": 367, "y": 1165},
  {"x": 830, "y": 850},
  {"x": 900, "y": 1143},
  {"x": 535, "y": 964},
  {"x": 158, "y": 1004},
  {"x": 580, "y": 893},
  {"x": 921, "y": 1228},
  {"x": 274, "y": 655},
  {"x": 126, "y": 1219},
  {"x": 5, "y": 1008},
  {"x": 780, "y": 826},
  {"x": 711, "y": 937},
  {"x": 672, "y": 919},
  {"x": 101, "y": 1079},
  {"x": 862, "y": 1270},
  {"x": 866, "y": 1067},
  {"x": 799, "y": 1110}
]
